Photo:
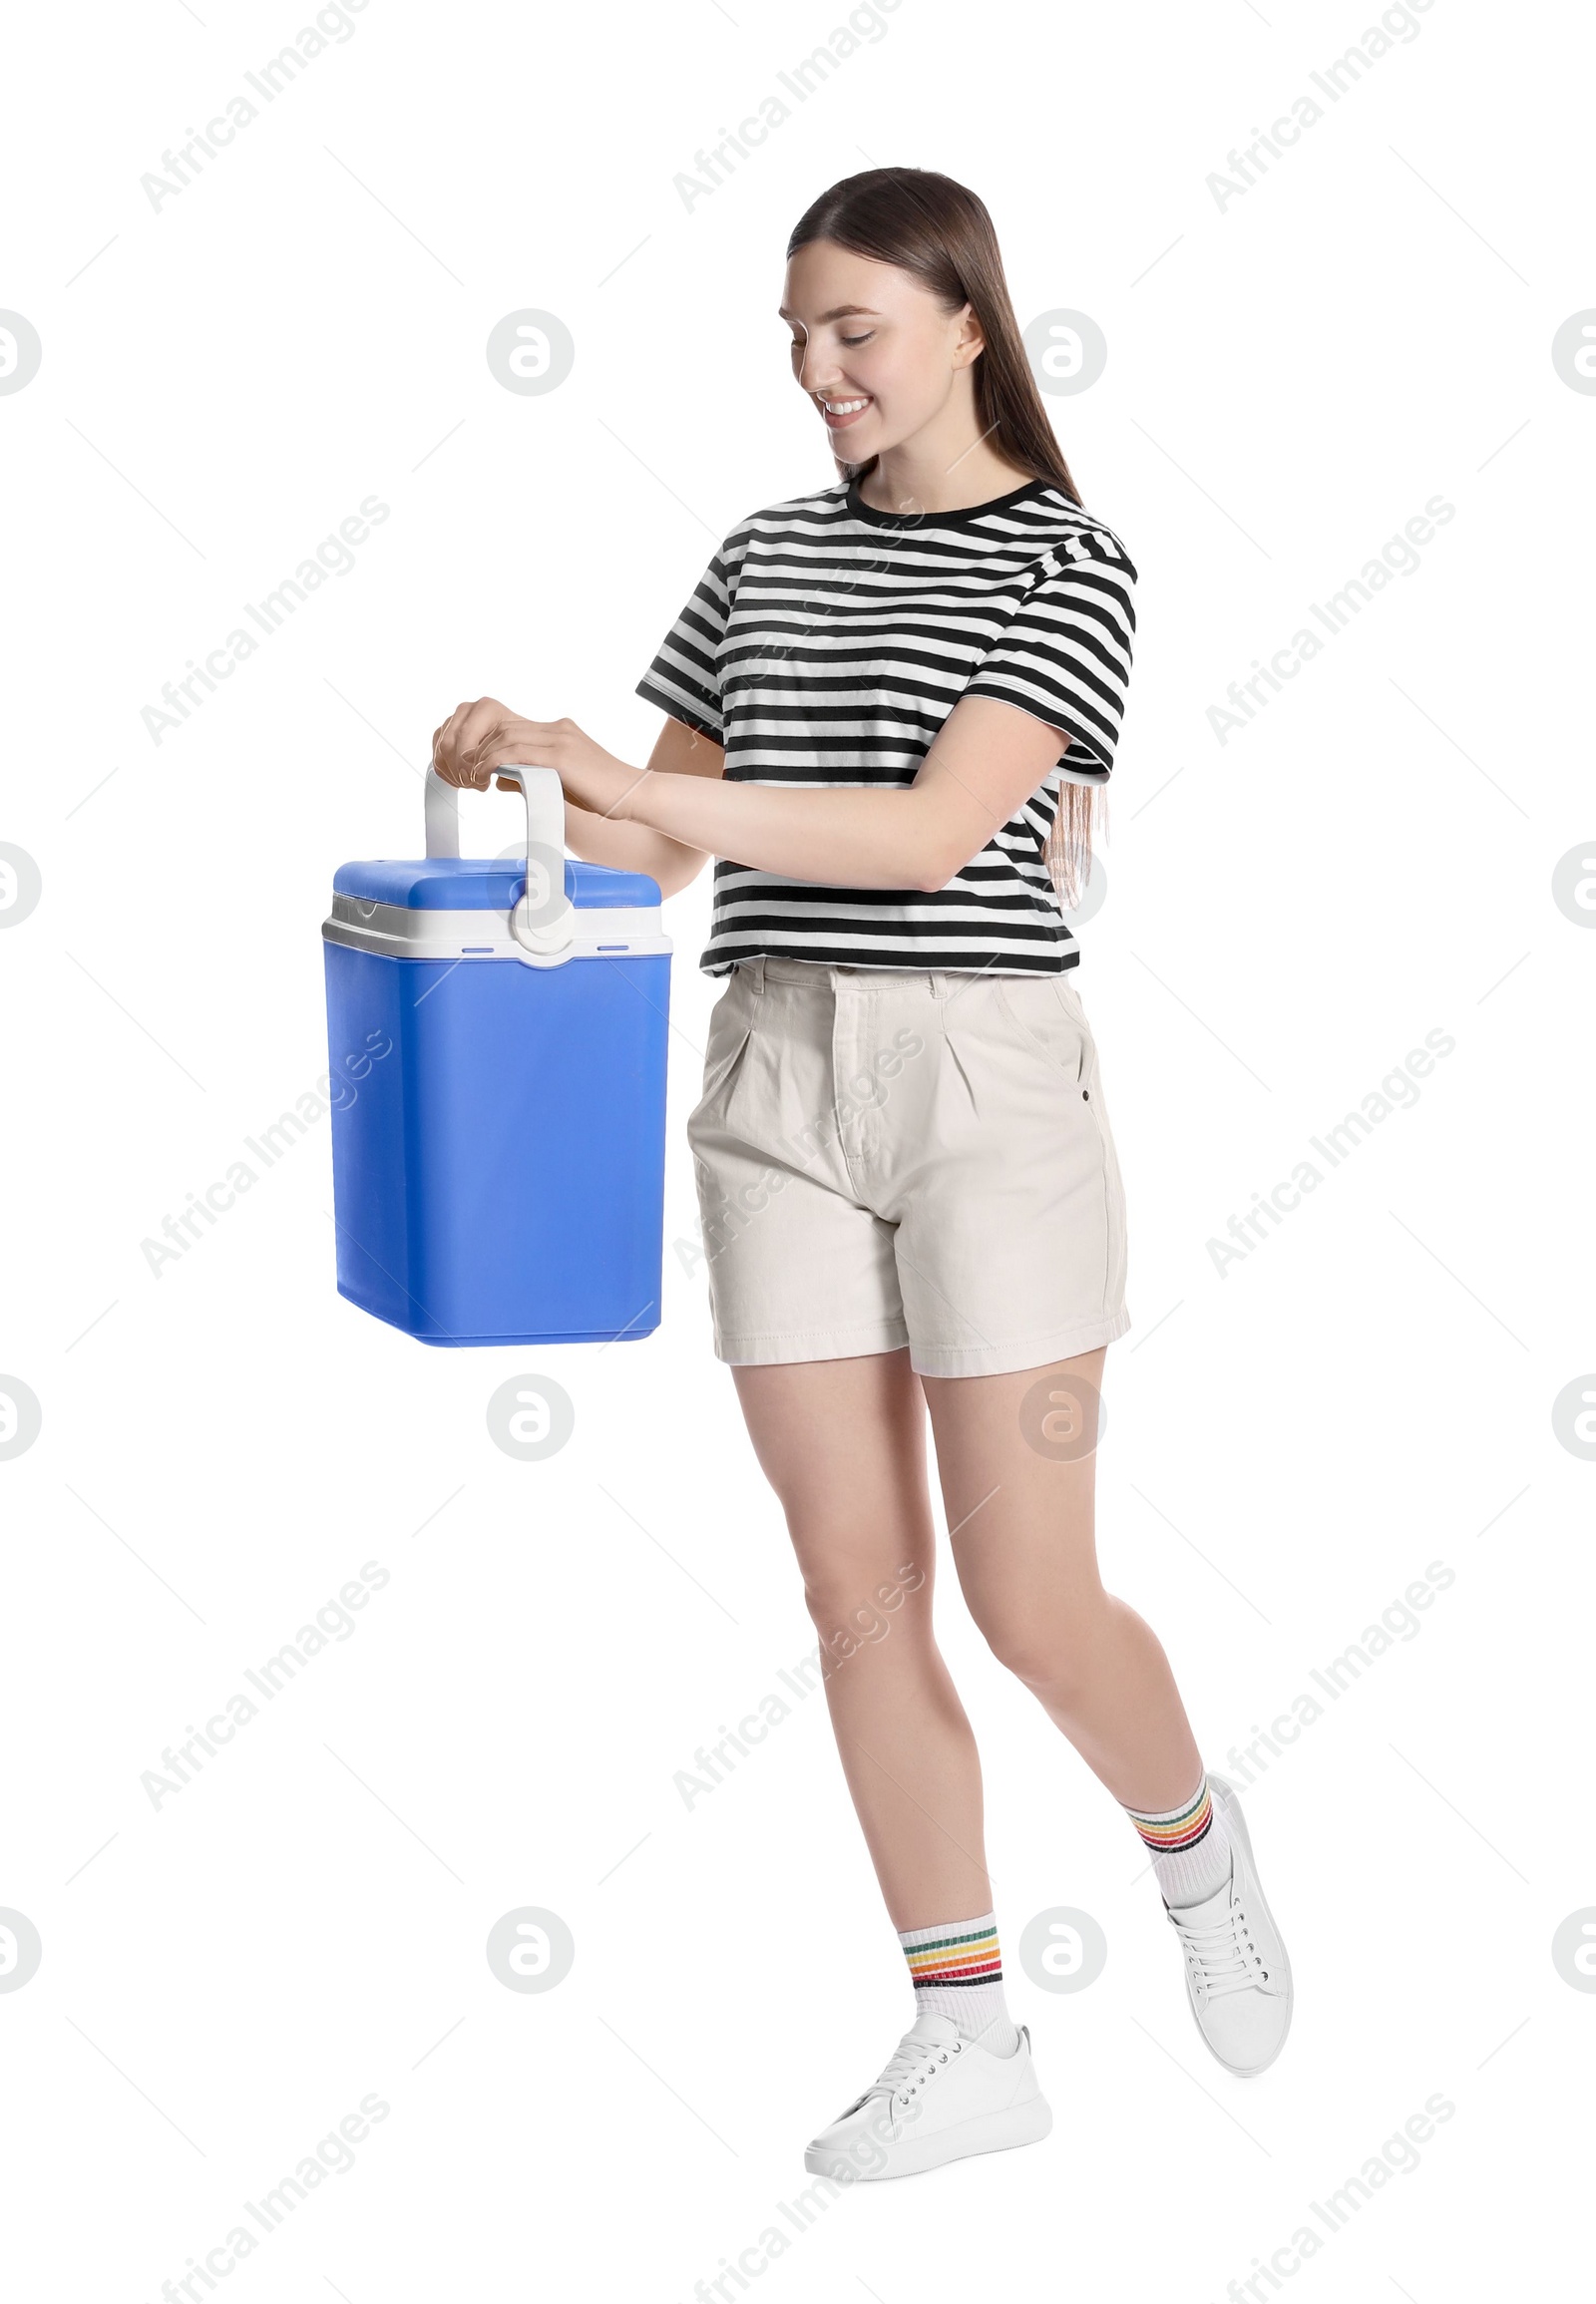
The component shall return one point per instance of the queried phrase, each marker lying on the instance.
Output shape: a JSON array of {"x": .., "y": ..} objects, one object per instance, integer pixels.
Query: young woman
[{"x": 890, "y": 701}]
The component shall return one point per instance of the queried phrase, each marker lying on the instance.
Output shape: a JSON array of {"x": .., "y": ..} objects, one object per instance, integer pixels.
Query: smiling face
[{"x": 873, "y": 349}]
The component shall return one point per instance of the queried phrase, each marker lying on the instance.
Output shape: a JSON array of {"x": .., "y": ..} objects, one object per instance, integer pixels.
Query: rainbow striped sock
[
  {"x": 958, "y": 1971},
  {"x": 1190, "y": 1848}
]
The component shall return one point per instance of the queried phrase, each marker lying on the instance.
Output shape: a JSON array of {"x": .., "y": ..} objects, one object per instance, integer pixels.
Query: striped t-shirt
[{"x": 827, "y": 643}]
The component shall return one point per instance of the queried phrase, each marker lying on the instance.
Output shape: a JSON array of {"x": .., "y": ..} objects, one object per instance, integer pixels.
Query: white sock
[
  {"x": 1190, "y": 1847},
  {"x": 958, "y": 1971}
]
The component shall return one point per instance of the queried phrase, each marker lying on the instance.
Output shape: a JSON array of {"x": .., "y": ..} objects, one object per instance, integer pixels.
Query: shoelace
[
  {"x": 1223, "y": 1957},
  {"x": 911, "y": 2064}
]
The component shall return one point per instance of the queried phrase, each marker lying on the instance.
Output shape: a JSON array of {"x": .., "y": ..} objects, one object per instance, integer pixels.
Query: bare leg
[
  {"x": 843, "y": 1445},
  {"x": 1024, "y": 1540}
]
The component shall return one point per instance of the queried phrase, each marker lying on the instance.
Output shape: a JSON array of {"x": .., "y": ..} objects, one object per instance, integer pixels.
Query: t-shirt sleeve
[
  {"x": 684, "y": 677},
  {"x": 1065, "y": 656}
]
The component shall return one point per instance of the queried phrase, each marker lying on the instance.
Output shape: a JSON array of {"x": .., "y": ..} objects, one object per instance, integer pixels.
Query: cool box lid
[
  {"x": 486, "y": 884},
  {"x": 450, "y": 908},
  {"x": 446, "y": 907}
]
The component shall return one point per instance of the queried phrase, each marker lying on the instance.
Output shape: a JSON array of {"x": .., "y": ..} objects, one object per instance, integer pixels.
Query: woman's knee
[
  {"x": 860, "y": 1602},
  {"x": 1044, "y": 1649}
]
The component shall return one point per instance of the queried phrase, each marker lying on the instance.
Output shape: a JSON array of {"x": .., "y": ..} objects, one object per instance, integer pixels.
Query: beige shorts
[{"x": 918, "y": 1157}]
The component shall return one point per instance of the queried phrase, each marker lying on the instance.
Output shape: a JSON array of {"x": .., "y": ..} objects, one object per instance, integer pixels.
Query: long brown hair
[{"x": 940, "y": 232}]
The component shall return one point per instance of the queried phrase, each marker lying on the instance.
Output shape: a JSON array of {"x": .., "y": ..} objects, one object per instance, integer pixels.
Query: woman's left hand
[{"x": 477, "y": 739}]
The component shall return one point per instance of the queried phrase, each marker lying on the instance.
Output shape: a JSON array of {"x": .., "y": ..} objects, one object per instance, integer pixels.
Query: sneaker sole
[
  {"x": 1236, "y": 1825},
  {"x": 998, "y": 2132}
]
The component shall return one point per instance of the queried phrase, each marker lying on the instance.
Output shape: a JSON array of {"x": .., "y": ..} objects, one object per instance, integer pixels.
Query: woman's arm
[
  {"x": 625, "y": 844},
  {"x": 987, "y": 760},
  {"x": 634, "y": 846}
]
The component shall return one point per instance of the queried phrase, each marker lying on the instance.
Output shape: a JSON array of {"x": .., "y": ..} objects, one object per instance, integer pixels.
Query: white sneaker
[
  {"x": 940, "y": 2097},
  {"x": 1238, "y": 1978}
]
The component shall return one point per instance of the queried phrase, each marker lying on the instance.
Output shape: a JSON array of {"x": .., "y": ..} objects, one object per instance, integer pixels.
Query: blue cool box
[{"x": 500, "y": 1031}]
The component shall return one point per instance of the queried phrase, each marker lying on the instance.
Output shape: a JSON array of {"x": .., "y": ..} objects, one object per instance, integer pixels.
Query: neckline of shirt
[{"x": 966, "y": 513}]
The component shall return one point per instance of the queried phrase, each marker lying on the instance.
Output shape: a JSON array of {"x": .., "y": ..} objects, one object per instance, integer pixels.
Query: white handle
[{"x": 544, "y": 920}]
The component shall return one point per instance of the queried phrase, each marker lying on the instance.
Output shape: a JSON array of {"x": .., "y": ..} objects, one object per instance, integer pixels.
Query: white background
[{"x": 1289, "y": 378}]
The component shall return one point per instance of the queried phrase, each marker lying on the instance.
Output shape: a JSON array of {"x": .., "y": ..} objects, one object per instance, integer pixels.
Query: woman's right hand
[{"x": 455, "y": 744}]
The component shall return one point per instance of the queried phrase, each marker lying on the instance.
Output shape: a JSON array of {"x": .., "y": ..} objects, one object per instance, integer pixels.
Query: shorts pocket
[
  {"x": 730, "y": 1028},
  {"x": 1048, "y": 1020}
]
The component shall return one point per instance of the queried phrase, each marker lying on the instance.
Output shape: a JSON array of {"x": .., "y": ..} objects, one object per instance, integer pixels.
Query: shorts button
[{"x": 1086, "y": 1095}]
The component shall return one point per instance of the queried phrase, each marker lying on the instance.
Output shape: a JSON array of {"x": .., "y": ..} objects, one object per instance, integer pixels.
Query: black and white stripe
[{"x": 826, "y": 644}]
